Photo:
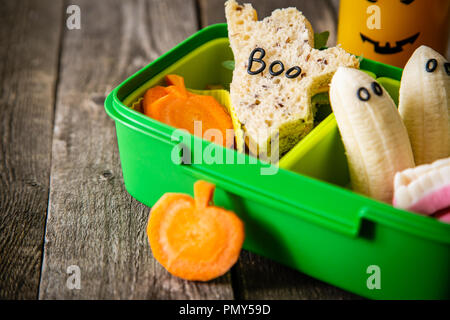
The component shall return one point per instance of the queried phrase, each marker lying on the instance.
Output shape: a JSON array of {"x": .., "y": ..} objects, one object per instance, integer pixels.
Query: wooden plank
[
  {"x": 93, "y": 222},
  {"x": 29, "y": 44},
  {"x": 255, "y": 277},
  {"x": 335, "y": 4},
  {"x": 321, "y": 13}
]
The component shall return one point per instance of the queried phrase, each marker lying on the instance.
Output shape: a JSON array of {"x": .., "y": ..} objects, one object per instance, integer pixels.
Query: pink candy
[{"x": 443, "y": 215}]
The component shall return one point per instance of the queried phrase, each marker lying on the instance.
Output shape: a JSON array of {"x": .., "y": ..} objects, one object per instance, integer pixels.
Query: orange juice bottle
[{"x": 390, "y": 30}]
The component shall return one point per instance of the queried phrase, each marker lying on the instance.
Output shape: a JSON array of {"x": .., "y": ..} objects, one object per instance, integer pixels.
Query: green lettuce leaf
[
  {"x": 228, "y": 64},
  {"x": 321, "y": 39}
]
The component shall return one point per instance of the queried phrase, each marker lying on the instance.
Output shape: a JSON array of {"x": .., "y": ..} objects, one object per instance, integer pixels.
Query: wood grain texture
[
  {"x": 321, "y": 13},
  {"x": 29, "y": 43},
  {"x": 92, "y": 221}
]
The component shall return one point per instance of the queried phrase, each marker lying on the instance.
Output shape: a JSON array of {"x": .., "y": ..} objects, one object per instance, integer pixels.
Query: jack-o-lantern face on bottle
[{"x": 390, "y": 30}]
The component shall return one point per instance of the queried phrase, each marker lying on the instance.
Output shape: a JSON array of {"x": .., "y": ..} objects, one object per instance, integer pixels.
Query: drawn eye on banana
[
  {"x": 374, "y": 136},
  {"x": 424, "y": 104}
]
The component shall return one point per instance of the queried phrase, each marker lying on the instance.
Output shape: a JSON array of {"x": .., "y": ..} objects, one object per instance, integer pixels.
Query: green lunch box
[{"x": 300, "y": 213}]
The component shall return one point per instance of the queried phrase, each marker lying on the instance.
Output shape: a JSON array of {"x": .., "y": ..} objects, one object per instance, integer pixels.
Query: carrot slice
[
  {"x": 182, "y": 113},
  {"x": 151, "y": 95},
  {"x": 177, "y": 107},
  {"x": 193, "y": 239},
  {"x": 180, "y": 92},
  {"x": 177, "y": 81},
  {"x": 203, "y": 194},
  {"x": 169, "y": 109}
]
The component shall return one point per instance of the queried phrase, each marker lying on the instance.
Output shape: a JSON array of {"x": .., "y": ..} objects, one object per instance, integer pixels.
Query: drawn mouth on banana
[{"x": 388, "y": 49}]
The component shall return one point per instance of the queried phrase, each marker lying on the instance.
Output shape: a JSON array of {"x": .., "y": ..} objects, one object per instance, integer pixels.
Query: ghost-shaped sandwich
[
  {"x": 424, "y": 104},
  {"x": 374, "y": 136}
]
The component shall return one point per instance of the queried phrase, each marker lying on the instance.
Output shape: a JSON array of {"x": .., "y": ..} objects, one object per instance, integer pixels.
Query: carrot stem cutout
[
  {"x": 177, "y": 107},
  {"x": 193, "y": 239}
]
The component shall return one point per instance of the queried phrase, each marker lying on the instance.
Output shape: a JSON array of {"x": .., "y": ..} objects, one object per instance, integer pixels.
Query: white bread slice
[{"x": 267, "y": 105}]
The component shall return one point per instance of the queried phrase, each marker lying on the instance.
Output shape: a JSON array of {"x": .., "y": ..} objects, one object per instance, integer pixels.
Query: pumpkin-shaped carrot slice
[
  {"x": 179, "y": 92},
  {"x": 151, "y": 95},
  {"x": 182, "y": 113},
  {"x": 175, "y": 106},
  {"x": 193, "y": 239}
]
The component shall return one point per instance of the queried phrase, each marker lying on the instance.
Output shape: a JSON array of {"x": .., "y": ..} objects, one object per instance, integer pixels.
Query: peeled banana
[
  {"x": 424, "y": 104},
  {"x": 374, "y": 136}
]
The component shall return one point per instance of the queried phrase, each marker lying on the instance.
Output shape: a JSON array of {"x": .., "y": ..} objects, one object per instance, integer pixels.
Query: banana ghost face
[
  {"x": 361, "y": 94},
  {"x": 424, "y": 104},
  {"x": 374, "y": 136},
  {"x": 390, "y": 30}
]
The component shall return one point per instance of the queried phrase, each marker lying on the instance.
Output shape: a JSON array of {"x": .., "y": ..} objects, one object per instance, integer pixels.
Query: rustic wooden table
[{"x": 62, "y": 197}]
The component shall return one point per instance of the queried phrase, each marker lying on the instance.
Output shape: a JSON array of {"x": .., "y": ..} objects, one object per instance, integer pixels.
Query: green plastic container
[{"x": 308, "y": 220}]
